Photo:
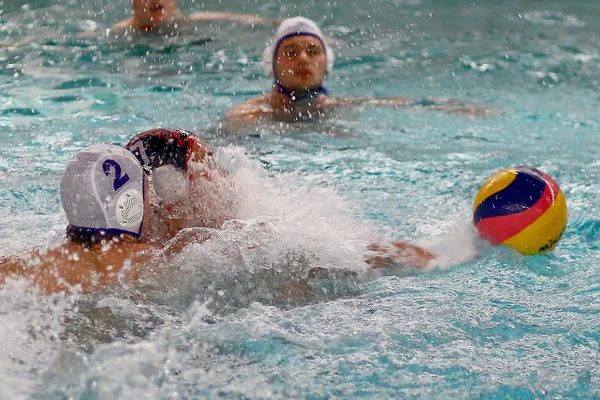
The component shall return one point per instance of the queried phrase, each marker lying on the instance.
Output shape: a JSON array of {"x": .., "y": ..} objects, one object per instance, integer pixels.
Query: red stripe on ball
[{"x": 499, "y": 229}]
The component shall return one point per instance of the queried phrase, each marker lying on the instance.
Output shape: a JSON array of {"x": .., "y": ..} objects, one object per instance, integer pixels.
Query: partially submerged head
[
  {"x": 188, "y": 187},
  {"x": 163, "y": 146},
  {"x": 103, "y": 194},
  {"x": 150, "y": 14},
  {"x": 298, "y": 56}
]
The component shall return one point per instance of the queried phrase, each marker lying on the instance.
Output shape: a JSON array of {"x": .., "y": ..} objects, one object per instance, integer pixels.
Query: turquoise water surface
[{"x": 484, "y": 323}]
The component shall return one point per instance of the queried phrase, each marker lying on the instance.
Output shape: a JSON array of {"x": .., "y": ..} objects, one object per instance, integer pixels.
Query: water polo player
[
  {"x": 192, "y": 191},
  {"x": 104, "y": 197},
  {"x": 109, "y": 236},
  {"x": 299, "y": 58},
  {"x": 187, "y": 186}
]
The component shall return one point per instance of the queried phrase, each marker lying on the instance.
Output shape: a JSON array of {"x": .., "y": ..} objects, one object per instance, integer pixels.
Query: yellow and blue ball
[{"x": 523, "y": 208}]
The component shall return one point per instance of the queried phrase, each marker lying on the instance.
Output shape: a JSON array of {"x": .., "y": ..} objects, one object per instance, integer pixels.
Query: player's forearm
[{"x": 399, "y": 252}]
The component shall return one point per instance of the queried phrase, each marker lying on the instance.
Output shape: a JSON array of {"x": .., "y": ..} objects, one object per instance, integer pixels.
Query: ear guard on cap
[
  {"x": 130, "y": 210},
  {"x": 170, "y": 183},
  {"x": 102, "y": 191}
]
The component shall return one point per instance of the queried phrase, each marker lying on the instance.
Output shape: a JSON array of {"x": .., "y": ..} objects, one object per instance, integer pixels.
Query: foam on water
[{"x": 285, "y": 227}]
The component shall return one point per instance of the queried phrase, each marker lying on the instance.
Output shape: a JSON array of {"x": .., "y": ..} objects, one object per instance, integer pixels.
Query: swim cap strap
[
  {"x": 309, "y": 95},
  {"x": 77, "y": 230}
]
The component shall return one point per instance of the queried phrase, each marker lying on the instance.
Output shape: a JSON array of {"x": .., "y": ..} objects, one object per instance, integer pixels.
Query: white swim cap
[
  {"x": 297, "y": 26},
  {"x": 102, "y": 190}
]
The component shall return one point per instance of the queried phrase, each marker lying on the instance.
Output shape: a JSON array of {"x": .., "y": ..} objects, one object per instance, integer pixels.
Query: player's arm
[
  {"x": 224, "y": 16},
  {"x": 184, "y": 238},
  {"x": 398, "y": 253},
  {"x": 460, "y": 107},
  {"x": 393, "y": 254},
  {"x": 246, "y": 114},
  {"x": 121, "y": 25},
  {"x": 50, "y": 270},
  {"x": 10, "y": 266}
]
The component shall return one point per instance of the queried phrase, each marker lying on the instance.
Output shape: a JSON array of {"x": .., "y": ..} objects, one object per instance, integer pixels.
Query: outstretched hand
[
  {"x": 300, "y": 291},
  {"x": 249, "y": 19},
  {"x": 460, "y": 107},
  {"x": 400, "y": 252}
]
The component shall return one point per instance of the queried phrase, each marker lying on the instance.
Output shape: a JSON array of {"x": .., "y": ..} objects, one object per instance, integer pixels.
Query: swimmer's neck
[
  {"x": 140, "y": 24},
  {"x": 284, "y": 97}
]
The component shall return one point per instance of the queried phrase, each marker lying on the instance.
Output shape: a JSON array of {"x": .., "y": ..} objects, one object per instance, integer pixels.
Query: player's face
[
  {"x": 154, "y": 12},
  {"x": 300, "y": 63}
]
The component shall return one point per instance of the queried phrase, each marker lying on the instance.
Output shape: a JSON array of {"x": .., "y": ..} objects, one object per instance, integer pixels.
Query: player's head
[
  {"x": 150, "y": 14},
  {"x": 103, "y": 194},
  {"x": 298, "y": 56}
]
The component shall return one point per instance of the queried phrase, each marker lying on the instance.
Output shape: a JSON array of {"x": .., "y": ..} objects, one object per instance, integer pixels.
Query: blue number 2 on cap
[{"x": 119, "y": 180}]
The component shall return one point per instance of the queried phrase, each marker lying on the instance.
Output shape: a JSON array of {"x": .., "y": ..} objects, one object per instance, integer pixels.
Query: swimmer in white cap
[
  {"x": 150, "y": 15},
  {"x": 299, "y": 59},
  {"x": 103, "y": 193}
]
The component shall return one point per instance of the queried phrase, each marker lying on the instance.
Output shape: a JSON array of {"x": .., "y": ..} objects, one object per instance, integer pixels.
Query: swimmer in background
[
  {"x": 162, "y": 17},
  {"x": 104, "y": 195},
  {"x": 299, "y": 59},
  {"x": 150, "y": 15}
]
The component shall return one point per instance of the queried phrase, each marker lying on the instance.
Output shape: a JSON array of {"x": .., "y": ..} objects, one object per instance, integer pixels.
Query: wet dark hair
[{"x": 89, "y": 236}]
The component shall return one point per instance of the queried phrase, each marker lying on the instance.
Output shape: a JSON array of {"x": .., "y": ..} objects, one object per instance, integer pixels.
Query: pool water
[{"x": 484, "y": 323}]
